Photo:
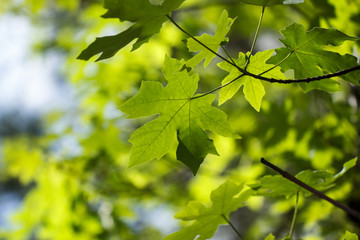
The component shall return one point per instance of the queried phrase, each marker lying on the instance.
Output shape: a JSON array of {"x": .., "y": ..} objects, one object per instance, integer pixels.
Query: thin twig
[
  {"x": 202, "y": 44},
  {"x": 238, "y": 77},
  {"x": 271, "y": 80},
  {"x": 227, "y": 54},
  {"x": 305, "y": 80},
  {"x": 312, "y": 190},
  {"x": 276, "y": 65},
  {"x": 232, "y": 226},
  {"x": 294, "y": 216},
  {"x": 218, "y": 88},
  {"x": 255, "y": 37}
]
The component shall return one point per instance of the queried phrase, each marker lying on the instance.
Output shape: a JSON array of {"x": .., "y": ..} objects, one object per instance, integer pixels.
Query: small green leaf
[
  {"x": 213, "y": 42},
  {"x": 348, "y": 165},
  {"x": 277, "y": 185},
  {"x": 253, "y": 88},
  {"x": 273, "y": 186},
  {"x": 304, "y": 54},
  {"x": 147, "y": 19},
  {"x": 182, "y": 114},
  {"x": 225, "y": 199},
  {"x": 322, "y": 180},
  {"x": 271, "y": 2},
  {"x": 350, "y": 236}
]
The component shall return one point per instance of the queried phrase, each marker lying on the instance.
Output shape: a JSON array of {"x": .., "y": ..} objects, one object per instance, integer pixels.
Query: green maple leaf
[
  {"x": 253, "y": 89},
  {"x": 213, "y": 42},
  {"x": 306, "y": 56},
  {"x": 271, "y": 2},
  {"x": 320, "y": 180},
  {"x": 147, "y": 19},
  {"x": 182, "y": 114},
  {"x": 207, "y": 219}
]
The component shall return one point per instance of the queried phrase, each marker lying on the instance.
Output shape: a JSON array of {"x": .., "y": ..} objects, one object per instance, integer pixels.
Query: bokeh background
[{"x": 64, "y": 143}]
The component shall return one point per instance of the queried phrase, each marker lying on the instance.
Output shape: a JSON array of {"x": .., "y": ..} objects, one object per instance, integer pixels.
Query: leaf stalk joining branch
[
  {"x": 255, "y": 37},
  {"x": 232, "y": 226},
  {"x": 271, "y": 80},
  {"x": 295, "y": 215},
  {"x": 311, "y": 189}
]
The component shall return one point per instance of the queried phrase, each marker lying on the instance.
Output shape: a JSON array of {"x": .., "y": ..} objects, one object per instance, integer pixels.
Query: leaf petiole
[
  {"x": 232, "y": 226},
  {"x": 227, "y": 54},
  {"x": 276, "y": 65},
  {"x": 294, "y": 216},
  {"x": 271, "y": 80},
  {"x": 311, "y": 189},
  {"x": 255, "y": 37},
  {"x": 202, "y": 44}
]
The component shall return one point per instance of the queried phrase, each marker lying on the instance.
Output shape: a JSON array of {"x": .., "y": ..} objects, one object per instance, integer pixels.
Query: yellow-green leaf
[
  {"x": 182, "y": 114},
  {"x": 253, "y": 89},
  {"x": 305, "y": 55},
  {"x": 213, "y": 42},
  {"x": 147, "y": 19},
  {"x": 225, "y": 199}
]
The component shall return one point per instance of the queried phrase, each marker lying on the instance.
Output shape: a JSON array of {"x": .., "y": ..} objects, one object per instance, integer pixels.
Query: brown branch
[
  {"x": 305, "y": 80},
  {"x": 312, "y": 190},
  {"x": 271, "y": 80},
  {"x": 202, "y": 44},
  {"x": 232, "y": 226}
]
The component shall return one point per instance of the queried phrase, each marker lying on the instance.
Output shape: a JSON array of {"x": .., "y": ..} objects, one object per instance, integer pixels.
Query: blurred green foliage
[{"x": 91, "y": 194}]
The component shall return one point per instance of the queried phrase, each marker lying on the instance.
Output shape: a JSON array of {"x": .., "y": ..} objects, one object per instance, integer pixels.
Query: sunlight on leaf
[
  {"x": 306, "y": 56},
  {"x": 270, "y": 237},
  {"x": 180, "y": 114},
  {"x": 147, "y": 19},
  {"x": 213, "y": 42},
  {"x": 350, "y": 236},
  {"x": 253, "y": 89},
  {"x": 20, "y": 160},
  {"x": 225, "y": 199},
  {"x": 348, "y": 165},
  {"x": 275, "y": 185}
]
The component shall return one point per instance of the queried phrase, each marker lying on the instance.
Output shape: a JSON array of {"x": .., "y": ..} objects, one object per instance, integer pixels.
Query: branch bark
[
  {"x": 311, "y": 189},
  {"x": 271, "y": 80}
]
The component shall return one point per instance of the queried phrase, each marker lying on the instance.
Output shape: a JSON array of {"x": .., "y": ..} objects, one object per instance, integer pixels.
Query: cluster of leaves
[
  {"x": 95, "y": 183},
  {"x": 182, "y": 113},
  {"x": 230, "y": 196},
  {"x": 321, "y": 180},
  {"x": 189, "y": 115}
]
